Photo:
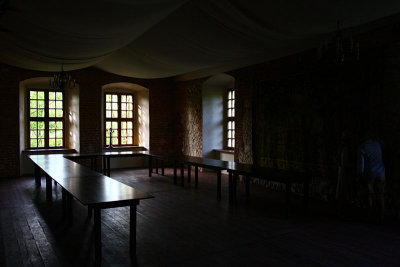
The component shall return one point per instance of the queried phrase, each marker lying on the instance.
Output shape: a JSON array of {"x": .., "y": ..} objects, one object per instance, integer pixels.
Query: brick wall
[
  {"x": 356, "y": 96},
  {"x": 9, "y": 133},
  {"x": 90, "y": 81}
]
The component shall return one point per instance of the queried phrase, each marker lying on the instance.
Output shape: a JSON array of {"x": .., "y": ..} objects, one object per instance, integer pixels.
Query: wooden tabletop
[
  {"x": 89, "y": 187},
  {"x": 266, "y": 172},
  {"x": 124, "y": 153},
  {"x": 203, "y": 162},
  {"x": 92, "y": 190}
]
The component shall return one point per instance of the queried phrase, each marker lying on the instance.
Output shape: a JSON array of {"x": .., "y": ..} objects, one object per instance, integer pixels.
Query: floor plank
[{"x": 187, "y": 226}]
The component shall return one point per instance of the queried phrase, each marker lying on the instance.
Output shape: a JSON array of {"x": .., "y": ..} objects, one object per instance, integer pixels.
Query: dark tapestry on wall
[{"x": 298, "y": 121}]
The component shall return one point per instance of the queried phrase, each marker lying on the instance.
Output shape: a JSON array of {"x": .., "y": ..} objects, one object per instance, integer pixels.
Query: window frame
[
  {"x": 46, "y": 119},
  {"x": 119, "y": 120},
  {"x": 229, "y": 119}
]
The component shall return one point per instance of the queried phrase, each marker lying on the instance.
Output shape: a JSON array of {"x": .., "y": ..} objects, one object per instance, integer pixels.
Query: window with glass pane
[
  {"x": 46, "y": 119},
  {"x": 118, "y": 119},
  {"x": 230, "y": 119}
]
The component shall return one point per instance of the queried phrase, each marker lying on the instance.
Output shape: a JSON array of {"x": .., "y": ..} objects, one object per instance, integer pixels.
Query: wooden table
[
  {"x": 90, "y": 188},
  {"x": 272, "y": 174},
  {"x": 181, "y": 160},
  {"x": 190, "y": 161},
  {"x": 119, "y": 154},
  {"x": 215, "y": 164},
  {"x": 92, "y": 156}
]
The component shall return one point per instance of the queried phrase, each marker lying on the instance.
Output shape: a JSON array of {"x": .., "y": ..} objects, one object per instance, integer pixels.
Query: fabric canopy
[{"x": 164, "y": 38}]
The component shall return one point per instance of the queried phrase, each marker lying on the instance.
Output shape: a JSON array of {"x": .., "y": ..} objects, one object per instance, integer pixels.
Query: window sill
[
  {"x": 225, "y": 151},
  {"x": 125, "y": 148}
]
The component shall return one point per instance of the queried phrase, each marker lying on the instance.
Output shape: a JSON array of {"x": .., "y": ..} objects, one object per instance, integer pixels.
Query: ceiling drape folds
[{"x": 163, "y": 38}]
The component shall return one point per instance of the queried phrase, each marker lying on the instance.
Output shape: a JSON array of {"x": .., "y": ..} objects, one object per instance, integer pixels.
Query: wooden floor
[{"x": 187, "y": 227}]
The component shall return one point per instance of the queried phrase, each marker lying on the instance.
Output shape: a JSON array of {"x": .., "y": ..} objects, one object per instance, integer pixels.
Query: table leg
[
  {"x": 247, "y": 186},
  {"x": 104, "y": 165},
  {"x": 156, "y": 166},
  {"x": 108, "y": 167},
  {"x": 288, "y": 189},
  {"x": 306, "y": 193},
  {"x": 175, "y": 178},
  {"x": 189, "y": 173},
  {"x": 196, "y": 175},
  {"x": 162, "y": 168},
  {"x": 91, "y": 163},
  {"x": 37, "y": 176},
  {"x": 90, "y": 211},
  {"x": 234, "y": 182},
  {"x": 150, "y": 167},
  {"x": 183, "y": 174},
  {"x": 64, "y": 202},
  {"x": 69, "y": 207},
  {"x": 132, "y": 233},
  {"x": 97, "y": 236},
  {"x": 49, "y": 189},
  {"x": 230, "y": 185},
  {"x": 219, "y": 184}
]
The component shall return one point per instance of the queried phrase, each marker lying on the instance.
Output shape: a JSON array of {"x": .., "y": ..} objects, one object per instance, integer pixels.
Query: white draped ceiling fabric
[{"x": 165, "y": 38}]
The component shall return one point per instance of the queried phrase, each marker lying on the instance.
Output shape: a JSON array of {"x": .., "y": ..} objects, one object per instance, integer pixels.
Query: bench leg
[
  {"x": 97, "y": 236},
  {"x": 132, "y": 230},
  {"x": 219, "y": 184},
  {"x": 49, "y": 190},
  {"x": 196, "y": 175},
  {"x": 37, "y": 176}
]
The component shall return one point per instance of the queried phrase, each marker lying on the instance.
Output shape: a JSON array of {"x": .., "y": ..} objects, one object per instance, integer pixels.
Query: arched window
[
  {"x": 230, "y": 119},
  {"x": 125, "y": 115}
]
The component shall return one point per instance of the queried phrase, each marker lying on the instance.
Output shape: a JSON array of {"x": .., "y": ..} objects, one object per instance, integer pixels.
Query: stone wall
[{"x": 188, "y": 118}]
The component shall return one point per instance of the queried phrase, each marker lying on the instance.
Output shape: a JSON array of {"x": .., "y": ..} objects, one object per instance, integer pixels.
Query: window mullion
[{"x": 47, "y": 121}]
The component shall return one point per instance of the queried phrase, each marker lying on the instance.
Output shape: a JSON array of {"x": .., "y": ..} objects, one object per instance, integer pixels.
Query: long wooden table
[
  {"x": 218, "y": 165},
  {"x": 272, "y": 174},
  {"x": 248, "y": 170},
  {"x": 91, "y": 189}
]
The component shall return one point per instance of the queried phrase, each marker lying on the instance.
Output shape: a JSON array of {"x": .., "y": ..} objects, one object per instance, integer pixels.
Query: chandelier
[
  {"x": 62, "y": 80},
  {"x": 339, "y": 50}
]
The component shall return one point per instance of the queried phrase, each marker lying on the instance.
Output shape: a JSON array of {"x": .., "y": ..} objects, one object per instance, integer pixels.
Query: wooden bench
[{"x": 91, "y": 189}]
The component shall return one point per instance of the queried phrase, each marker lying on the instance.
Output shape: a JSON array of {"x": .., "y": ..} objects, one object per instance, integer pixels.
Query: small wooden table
[{"x": 92, "y": 189}]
